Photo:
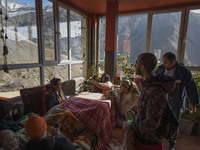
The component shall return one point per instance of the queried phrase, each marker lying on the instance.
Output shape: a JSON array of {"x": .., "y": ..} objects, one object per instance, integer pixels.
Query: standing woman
[
  {"x": 126, "y": 99},
  {"x": 53, "y": 95}
]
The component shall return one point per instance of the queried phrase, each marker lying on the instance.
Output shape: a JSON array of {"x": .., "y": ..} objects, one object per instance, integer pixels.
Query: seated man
[
  {"x": 6, "y": 118},
  {"x": 9, "y": 140},
  {"x": 126, "y": 99},
  {"x": 36, "y": 129},
  {"x": 104, "y": 86},
  {"x": 53, "y": 95}
]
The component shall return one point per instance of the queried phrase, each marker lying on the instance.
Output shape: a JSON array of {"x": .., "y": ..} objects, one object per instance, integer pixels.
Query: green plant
[
  {"x": 195, "y": 117},
  {"x": 92, "y": 73},
  {"x": 125, "y": 66},
  {"x": 197, "y": 80}
]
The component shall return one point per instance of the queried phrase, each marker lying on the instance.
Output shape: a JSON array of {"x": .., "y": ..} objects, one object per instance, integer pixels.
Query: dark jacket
[
  {"x": 184, "y": 82},
  {"x": 7, "y": 122},
  {"x": 151, "y": 107},
  {"x": 50, "y": 143},
  {"x": 49, "y": 100}
]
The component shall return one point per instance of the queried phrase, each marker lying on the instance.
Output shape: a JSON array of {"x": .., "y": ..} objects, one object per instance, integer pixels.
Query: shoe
[{"x": 172, "y": 147}]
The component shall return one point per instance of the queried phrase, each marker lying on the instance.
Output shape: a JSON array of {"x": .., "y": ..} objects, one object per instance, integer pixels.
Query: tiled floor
[{"x": 184, "y": 142}]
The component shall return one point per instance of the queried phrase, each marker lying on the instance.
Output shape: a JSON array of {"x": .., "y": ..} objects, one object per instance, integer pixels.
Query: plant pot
[
  {"x": 88, "y": 87},
  {"x": 185, "y": 126},
  {"x": 198, "y": 128}
]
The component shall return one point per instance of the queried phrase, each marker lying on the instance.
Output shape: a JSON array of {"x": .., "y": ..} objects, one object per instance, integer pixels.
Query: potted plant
[
  {"x": 86, "y": 85},
  {"x": 188, "y": 122}
]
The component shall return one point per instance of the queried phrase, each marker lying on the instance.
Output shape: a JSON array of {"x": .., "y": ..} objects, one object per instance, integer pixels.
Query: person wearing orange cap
[{"x": 36, "y": 129}]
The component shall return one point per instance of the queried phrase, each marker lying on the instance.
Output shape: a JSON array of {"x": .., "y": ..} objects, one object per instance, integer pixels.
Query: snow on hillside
[
  {"x": 17, "y": 8},
  {"x": 75, "y": 29}
]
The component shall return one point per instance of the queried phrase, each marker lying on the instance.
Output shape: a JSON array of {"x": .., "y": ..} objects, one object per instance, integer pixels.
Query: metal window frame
[
  {"x": 182, "y": 29},
  {"x": 40, "y": 34}
]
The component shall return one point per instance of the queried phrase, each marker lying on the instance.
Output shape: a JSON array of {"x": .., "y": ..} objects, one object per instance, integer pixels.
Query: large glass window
[
  {"x": 76, "y": 44},
  {"x": 192, "y": 53},
  {"x": 165, "y": 33},
  {"x": 18, "y": 79},
  {"x": 63, "y": 33},
  {"x": 51, "y": 72},
  {"x": 102, "y": 35},
  {"x": 101, "y": 44},
  {"x": 132, "y": 31},
  {"x": 48, "y": 26},
  {"x": 21, "y": 30},
  {"x": 77, "y": 70}
]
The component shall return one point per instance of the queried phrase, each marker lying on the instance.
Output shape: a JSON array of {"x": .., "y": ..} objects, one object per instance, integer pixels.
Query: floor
[{"x": 184, "y": 142}]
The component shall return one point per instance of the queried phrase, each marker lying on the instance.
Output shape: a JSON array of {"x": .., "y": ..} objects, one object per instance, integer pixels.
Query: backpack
[{"x": 169, "y": 124}]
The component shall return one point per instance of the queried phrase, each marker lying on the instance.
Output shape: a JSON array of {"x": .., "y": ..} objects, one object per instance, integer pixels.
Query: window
[
  {"x": 19, "y": 78},
  {"x": 132, "y": 31},
  {"x": 63, "y": 34},
  {"x": 78, "y": 70},
  {"x": 48, "y": 27},
  {"x": 51, "y": 72},
  {"x": 101, "y": 44},
  {"x": 192, "y": 54},
  {"x": 73, "y": 55},
  {"x": 21, "y": 30},
  {"x": 76, "y": 38},
  {"x": 165, "y": 33}
]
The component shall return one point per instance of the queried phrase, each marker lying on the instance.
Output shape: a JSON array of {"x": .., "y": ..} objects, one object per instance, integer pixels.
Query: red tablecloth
[{"x": 93, "y": 109}]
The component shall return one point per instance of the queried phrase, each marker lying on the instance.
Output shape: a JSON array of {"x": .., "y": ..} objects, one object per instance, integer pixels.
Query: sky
[
  {"x": 32, "y": 2},
  {"x": 196, "y": 11}
]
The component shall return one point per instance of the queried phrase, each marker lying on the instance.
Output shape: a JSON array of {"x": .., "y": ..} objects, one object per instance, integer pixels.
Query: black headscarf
[{"x": 5, "y": 108}]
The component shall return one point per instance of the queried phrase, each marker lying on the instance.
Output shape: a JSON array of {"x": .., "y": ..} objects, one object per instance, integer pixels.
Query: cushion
[{"x": 32, "y": 99}]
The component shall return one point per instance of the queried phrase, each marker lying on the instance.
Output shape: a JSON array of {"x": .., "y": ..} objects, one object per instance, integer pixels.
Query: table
[{"x": 93, "y": 109}]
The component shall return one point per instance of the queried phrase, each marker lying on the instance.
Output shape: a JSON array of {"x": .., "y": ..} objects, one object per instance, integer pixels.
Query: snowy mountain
[{"x": 15, "y": 9}]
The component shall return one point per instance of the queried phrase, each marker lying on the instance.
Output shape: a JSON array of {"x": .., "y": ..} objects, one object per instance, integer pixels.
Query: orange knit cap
[{"x": 35, "y": 127}]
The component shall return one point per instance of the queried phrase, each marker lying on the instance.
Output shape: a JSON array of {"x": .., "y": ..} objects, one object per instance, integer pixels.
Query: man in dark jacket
[
  {"x": 184, "y": 82},
  {"x": 151, "y": 105},
  {"x": 36, "y": 129},
  {"x": 6, "y": 118}
]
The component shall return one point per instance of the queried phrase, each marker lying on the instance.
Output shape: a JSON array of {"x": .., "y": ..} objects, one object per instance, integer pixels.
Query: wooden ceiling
[{"x": 127, "y": 6}]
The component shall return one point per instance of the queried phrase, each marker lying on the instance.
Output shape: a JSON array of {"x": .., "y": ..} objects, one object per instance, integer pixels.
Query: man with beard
[{"x": 151, "y": 105}]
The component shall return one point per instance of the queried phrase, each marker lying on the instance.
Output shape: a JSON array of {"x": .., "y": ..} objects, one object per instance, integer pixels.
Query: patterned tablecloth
[{"x": 93, "y": 109}]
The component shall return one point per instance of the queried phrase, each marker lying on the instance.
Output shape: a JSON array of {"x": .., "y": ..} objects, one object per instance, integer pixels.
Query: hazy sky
[{"x": 32, "y": 2}]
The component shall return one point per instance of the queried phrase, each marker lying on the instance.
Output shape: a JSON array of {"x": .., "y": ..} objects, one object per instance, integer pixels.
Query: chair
[{"x": 32, "y": 99}]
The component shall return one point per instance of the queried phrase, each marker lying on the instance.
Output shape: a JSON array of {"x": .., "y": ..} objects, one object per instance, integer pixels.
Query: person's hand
[
  {"x": 108, "y": 93},
  {"x": 192, "y": 108},
  {"x": 56, "y": 131},
  {"x": 170, "y": 101},
  {"x": 94, "y": 81},
  {"x": 126, "y": 126}
]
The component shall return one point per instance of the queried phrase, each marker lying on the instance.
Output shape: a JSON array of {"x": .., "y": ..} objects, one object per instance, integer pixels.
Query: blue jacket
[{"x": 184, "y": 82}]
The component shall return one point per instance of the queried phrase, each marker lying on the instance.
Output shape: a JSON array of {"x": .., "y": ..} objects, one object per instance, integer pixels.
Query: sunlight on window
[{"x": 21, "y": 30}]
